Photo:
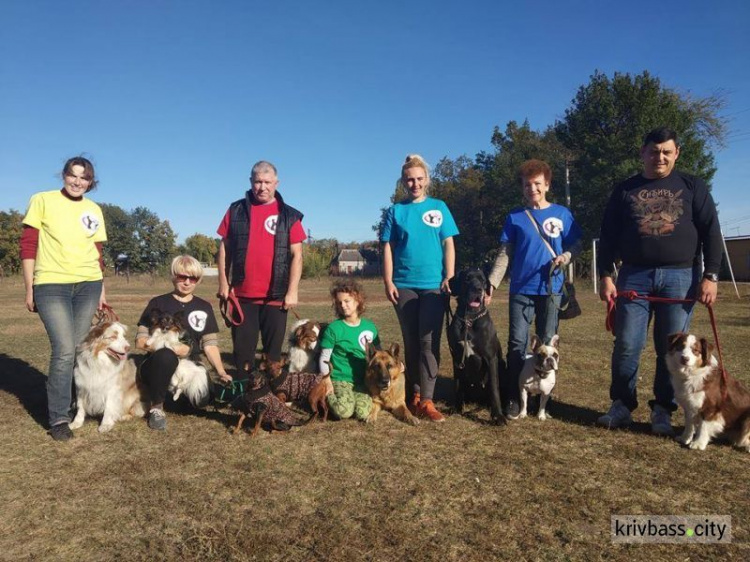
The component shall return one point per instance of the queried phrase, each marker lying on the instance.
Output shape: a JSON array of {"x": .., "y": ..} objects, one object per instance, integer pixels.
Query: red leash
[
  {"x": 230, "y": 310},
  {"x": 609, "y": 322},
  {"x": 106, "y": 314}
]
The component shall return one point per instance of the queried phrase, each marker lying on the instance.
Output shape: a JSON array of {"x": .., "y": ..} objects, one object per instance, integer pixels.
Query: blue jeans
[
  {"x": 631, "y": 328},
  {"x": 522, "y": 309},
  {"x": 66, "y": 309}
]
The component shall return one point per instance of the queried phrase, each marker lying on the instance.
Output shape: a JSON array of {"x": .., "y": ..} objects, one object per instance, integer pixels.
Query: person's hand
[
  {"x": 488, "y": 297},
  {"x": 607, "y": 290},
  {"x": 560, "y": 261},
  {"x": 391, "y": 292},
  {"x": 223, "y": 290},
  {"x": 707, "y": 292},
  {"x": 290, "y": 300},
  {"x": 225, "y": 377},
  {"x": 445, "y": 286},
  {"x": 102, "y": 300},
  {"x": 29, "y": 301},
  {"x": 182, "y": 350}
]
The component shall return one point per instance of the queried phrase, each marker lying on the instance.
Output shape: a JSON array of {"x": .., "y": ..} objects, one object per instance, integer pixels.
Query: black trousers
[
  {"x": 156, "y": 372},
  {"x": 268, "y": 321}
]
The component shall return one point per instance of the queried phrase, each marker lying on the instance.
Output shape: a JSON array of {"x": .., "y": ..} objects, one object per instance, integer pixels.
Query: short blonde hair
[{"x": 187, "y": 265}]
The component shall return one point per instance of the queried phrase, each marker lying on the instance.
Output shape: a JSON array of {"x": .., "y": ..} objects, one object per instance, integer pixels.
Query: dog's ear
[
  {"x": 370, "y": 351},
  {"x": 555, "y": 341},
  {"x": 455, "y": 283},
  {"x": 179, "y": 320},
  {"x": 154, "y": 317},
  {"x": 394, "y": 349},
  {"x": 672, "y": 339},
  {"x": 535, "y": 342},
  {"x": 706, "y": 348}
]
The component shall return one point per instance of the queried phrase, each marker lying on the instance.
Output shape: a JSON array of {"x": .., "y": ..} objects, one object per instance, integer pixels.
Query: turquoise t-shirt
[
  {"x": 349, "y": 345},
  {"x": 416, "y": 232},
  {"x": 529, "y": 270}
]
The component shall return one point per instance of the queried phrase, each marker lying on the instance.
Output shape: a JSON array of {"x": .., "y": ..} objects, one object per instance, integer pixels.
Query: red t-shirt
[{"x": 259, "y": 260}]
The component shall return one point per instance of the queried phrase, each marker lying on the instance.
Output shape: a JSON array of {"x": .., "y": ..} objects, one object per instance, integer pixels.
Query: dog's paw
[
  {"x": 522, "y": 415},
  {"x": 684, "y": 440},
  {"x": 697, "y": 446},
  {"x": 543, "y": 416},
  {"x": 105, "y": 427},
  {"x": 412, "y": 420},
  {"x": 76, "y": 424},
  {"x": 370, "y": 420}
]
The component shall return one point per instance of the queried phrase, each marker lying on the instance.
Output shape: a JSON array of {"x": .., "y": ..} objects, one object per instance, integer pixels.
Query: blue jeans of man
[
  {"x": 66, "y": 309},
  {"x": 631, "y": 328},
  {"x": 522, "y": 310}
]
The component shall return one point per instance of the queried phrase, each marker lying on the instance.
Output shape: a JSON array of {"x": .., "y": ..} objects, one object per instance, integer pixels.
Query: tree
[
  {"x": 155, "y": 240},
  {"x": 11, "y": 226},
  {"x": 120, "y": 234},
  {"x": 201, "y": 247},
  {"x": 603, "y": 130}
]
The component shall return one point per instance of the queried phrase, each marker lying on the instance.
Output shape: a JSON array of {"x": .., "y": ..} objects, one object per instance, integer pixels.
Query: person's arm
[
  {"x": 707, "y": 223},
  {"x": 295, "y": 274},
  {"x": 499, "y": 268},
  {"x": 221, "y": 265},
  {"x": 449, "y": 264},
  {"x": 391, "y": 292},
  {"x": 607, "y": 254},
  {"x": 325, "y": 358},
  {"x": 214, "y": 357},
  {"x": 28, "y": 280}
]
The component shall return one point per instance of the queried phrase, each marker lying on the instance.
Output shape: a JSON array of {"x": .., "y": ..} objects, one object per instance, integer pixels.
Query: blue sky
[{"x": 175, "y": 101}]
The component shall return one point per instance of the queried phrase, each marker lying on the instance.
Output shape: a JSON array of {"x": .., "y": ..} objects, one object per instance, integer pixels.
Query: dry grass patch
[{"x": 462, "y": 490}]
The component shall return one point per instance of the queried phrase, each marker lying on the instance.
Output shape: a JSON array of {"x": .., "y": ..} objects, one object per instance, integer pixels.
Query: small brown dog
[
  {"x": 262, "y": 405},
  {"x": 386, "y": 383},
  {"x": 300, "y": 387}
]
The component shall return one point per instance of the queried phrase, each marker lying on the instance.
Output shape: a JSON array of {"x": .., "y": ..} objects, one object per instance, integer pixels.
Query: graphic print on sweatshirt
[{"x": 657, "y": 211}]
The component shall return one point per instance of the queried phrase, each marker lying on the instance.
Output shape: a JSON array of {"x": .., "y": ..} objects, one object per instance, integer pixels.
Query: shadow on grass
[{"x": 19, "y": 378}]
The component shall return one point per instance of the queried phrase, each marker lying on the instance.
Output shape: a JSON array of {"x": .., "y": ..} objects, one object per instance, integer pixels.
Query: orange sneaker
[
  {"x": 427, "y": 410},
  {"x": 414, "y": 405}
]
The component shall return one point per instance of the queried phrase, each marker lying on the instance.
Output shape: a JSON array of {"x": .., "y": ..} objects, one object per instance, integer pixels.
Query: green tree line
[{"x": 597, "y": 141}]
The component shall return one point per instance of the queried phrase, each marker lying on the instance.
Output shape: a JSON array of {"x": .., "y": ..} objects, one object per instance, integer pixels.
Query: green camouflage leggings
[{"x": 346, "y": 401}]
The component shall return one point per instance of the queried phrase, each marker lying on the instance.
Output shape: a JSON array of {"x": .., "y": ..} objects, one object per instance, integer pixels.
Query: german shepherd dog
[{"x": 386, "y": 384}]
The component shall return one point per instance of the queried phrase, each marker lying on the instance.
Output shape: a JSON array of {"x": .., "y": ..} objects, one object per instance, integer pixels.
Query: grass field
[{"x": 462, "y": 490}]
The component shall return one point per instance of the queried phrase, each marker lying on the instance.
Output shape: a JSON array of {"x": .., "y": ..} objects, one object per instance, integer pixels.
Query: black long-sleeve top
[{"x": 664, "y": 222}]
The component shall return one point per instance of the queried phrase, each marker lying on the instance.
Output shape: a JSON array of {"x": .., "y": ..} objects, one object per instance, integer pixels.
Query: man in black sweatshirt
[{"x": 658, "y": 223}]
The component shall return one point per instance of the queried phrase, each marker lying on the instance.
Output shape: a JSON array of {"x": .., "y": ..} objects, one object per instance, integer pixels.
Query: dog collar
[
  {"x": 543, "y": 374},
  {"x": 471, "y": 320}
]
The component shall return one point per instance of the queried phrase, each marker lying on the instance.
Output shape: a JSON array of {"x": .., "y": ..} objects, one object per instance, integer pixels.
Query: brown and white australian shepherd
[
  {"x": 190, "y": 378},
  {"x": 303, "y": 346},
  {"x": 698, "y": 388},
  {"x": 105, "y": 378}
]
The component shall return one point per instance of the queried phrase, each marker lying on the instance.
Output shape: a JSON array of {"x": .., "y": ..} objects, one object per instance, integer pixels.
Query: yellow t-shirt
[{"x": 68, "y": 231}]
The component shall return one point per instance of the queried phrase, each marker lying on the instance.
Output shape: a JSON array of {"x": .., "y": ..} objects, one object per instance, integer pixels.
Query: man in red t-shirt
[{"x": 260, "y": 257}]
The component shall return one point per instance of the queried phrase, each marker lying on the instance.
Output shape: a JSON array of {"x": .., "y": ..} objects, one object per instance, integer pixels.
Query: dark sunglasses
[{"x": 190, "y": 278}]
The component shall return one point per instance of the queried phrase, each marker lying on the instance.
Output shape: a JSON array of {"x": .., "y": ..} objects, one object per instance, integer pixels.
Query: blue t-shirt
[
  {"x": 416, "y": 232},
  {"x": 529, "y": 270}
]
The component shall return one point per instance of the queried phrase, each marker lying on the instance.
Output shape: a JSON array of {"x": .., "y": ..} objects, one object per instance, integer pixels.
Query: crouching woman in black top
[{"x": 201, "y": 334}]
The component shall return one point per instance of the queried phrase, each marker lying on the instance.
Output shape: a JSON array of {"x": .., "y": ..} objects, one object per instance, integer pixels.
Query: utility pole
[{"x": 571, "y": 272}]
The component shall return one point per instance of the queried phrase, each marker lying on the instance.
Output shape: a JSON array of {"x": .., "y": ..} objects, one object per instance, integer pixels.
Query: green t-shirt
[{"x": 349, "y": 345}]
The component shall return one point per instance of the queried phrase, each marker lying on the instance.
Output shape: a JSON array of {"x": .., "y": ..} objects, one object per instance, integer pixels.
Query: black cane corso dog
[{"x": 478, "y": 363}]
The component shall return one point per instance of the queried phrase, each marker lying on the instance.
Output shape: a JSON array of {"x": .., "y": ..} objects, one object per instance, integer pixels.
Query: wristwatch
[{"x": 711, "y": 277}]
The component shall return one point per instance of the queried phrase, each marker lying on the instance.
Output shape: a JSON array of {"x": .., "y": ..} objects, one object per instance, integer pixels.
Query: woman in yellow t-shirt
[{"x": 62, "y": 270}]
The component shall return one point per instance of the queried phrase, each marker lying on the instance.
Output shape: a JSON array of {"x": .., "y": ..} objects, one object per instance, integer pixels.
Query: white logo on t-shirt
[
  {"x": 270, "y": 224},
  {"x": 89, "y": 222},
  {"x": 433, "y": 218},
  {"x": 197, "y": 320},
  {"x": 552, "y": 227},
  {"x": 365, "y": 337}
]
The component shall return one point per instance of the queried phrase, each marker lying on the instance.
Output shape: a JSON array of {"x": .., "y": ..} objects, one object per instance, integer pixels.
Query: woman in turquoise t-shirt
[{"x": 418, "y": 261}]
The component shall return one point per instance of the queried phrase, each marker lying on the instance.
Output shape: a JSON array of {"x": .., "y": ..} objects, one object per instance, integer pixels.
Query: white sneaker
[
  {"x": 661, "y": 421},
  {"x": 618, "y": 416}
]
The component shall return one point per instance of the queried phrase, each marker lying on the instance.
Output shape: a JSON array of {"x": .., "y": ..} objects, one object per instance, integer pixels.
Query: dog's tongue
[
  {"x": 475, "y": 304},
  {"x": 116, "y": 354}
]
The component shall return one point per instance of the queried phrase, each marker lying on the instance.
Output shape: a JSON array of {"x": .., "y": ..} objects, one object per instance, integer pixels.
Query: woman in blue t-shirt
[
  {"x": 522, "y": 243},
  {"x": 418, "y": 260}
]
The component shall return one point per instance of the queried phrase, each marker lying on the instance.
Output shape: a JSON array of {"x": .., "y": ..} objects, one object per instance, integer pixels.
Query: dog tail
[{"x": 194, "y": 383}]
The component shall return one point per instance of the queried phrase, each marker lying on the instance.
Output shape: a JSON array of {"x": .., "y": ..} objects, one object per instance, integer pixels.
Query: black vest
[{"x": 238, "y": 238}]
